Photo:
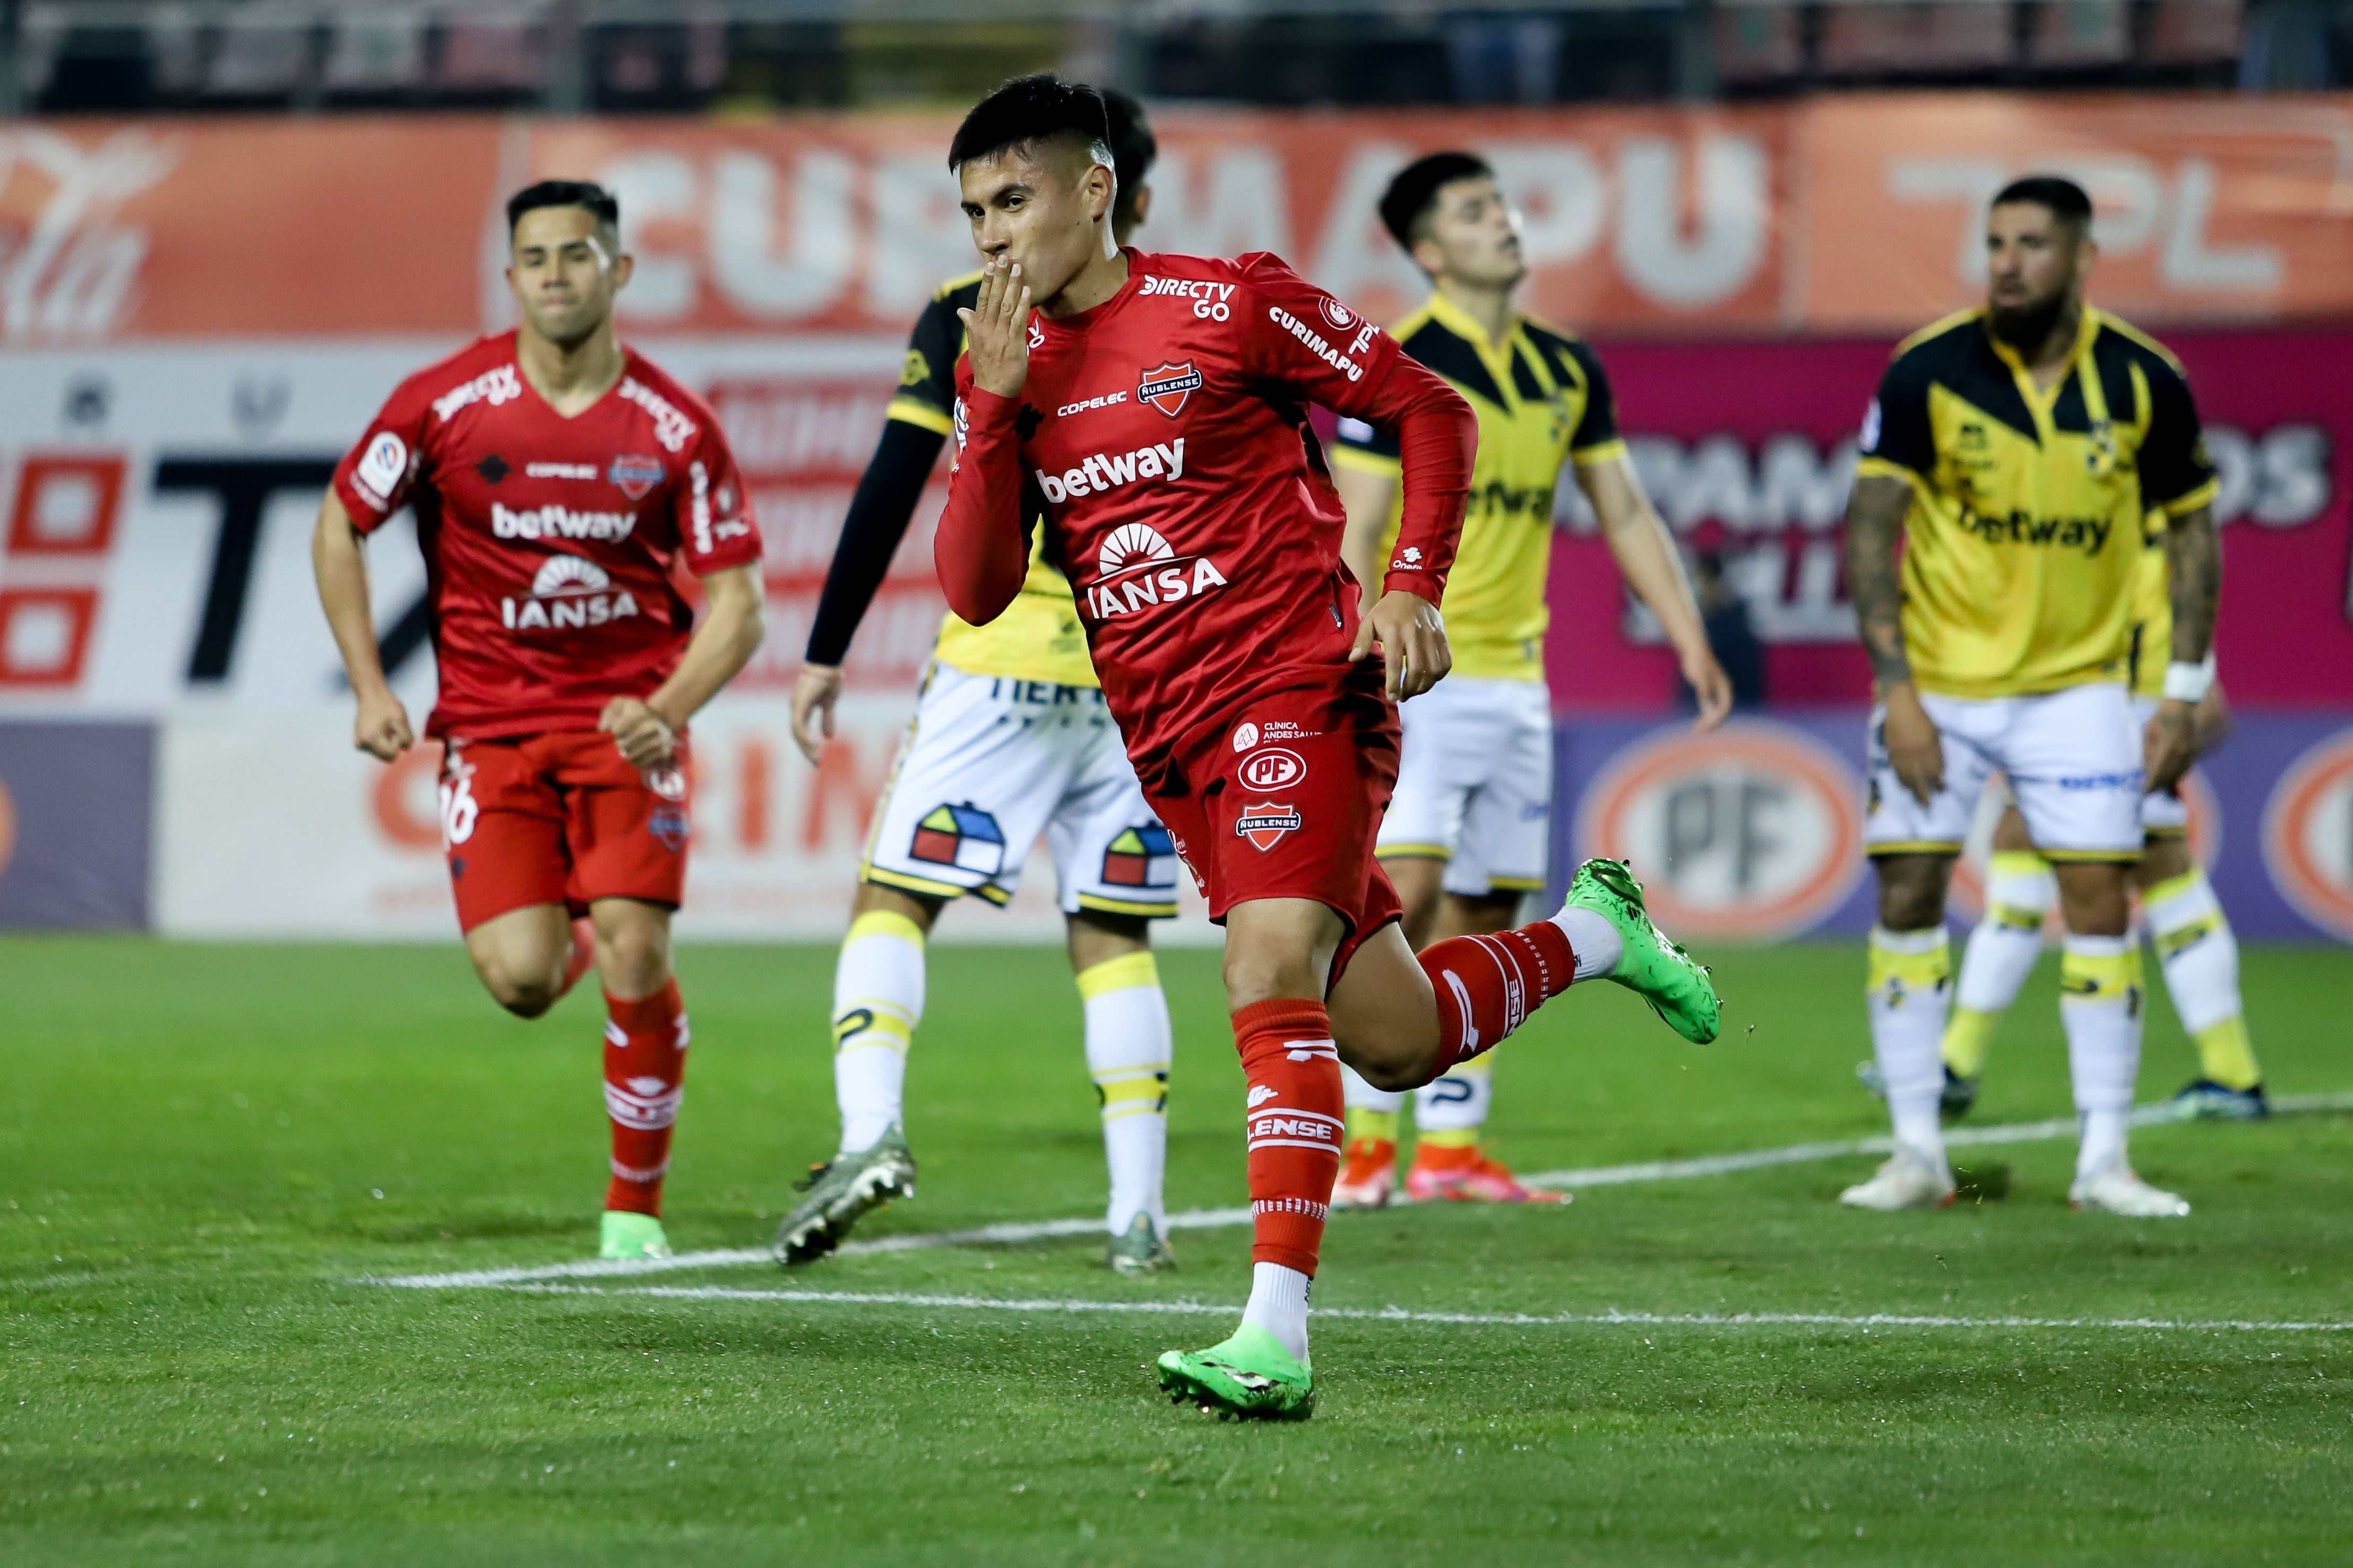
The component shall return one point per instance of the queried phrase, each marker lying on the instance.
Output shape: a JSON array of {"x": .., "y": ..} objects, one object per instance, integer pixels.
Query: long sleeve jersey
[{"x": 1163, "y": 438}]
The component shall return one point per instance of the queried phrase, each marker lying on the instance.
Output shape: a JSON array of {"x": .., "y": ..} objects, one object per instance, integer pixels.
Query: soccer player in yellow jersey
[
  {"x": 2015, "y": 451},
  {"x": 1010, "y": 741},
  {"x": 2195, "y": 945},
  {"x": 1466, "y": 835}
]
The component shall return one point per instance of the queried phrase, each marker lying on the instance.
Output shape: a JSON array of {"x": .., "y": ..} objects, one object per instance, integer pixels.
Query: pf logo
[
  {"x": 2308, "y": 835},
  {"x": 1272, "y": 767},
  {"x": 1753, "y": 831}
]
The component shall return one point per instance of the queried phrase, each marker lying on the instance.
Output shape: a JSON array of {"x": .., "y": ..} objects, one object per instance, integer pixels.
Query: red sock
[
  {"x": 584, "y": 954},
  {"x": 1487, "y": 985},
  {"x": 644, "y": 1063},
  {"x": 1293, "y": 1118}
]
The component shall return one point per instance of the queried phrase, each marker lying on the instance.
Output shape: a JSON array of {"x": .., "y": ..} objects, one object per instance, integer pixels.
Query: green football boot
[
  {"x": 627, "y": 1235},
  {"x": 839, "y": 1192},
  {"x": 1139, "y": 1249},
  {"x": 1251, "y": 1376},
  {"x": 1653, "y": 965}
]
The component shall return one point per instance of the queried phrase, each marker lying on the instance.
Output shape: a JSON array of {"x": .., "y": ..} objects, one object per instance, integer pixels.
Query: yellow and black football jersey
[
  {"x": 2027, "y": 541},
  {"x": 1542, "y": 400},
  {"x": 2152, "y": 636},
  {"x": 1039, "y": 637}
]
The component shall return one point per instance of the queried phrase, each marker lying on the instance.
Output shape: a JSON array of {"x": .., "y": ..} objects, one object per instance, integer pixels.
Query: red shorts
[
  {"x": 1282, "y": 799},
  {"x": 559, "y": 819}
]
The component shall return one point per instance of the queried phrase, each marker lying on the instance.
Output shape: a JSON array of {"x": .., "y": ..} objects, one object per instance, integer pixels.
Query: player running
[
  {"x": 2195, "y": 946},
  {"x": 1153, "y": 412},
  {"x": 1010, "y": 740},
  {"x": 1465, "y": 836},
  {"x": 2018, "y": 449},
  {"x": 558, "y": 482}
]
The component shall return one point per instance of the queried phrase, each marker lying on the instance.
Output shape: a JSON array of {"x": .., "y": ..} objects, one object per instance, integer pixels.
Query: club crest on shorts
[
  {"x": 1264, "y": 822},
  {"x": 1272, "y": 767},
  {"x": 669, "y": 825},
  {"x": 635, "y": 476},
  {"x": 1165, "y": 386},
  {"x": 1141, "y": 856},
  {"x": 962, "y": 836}
]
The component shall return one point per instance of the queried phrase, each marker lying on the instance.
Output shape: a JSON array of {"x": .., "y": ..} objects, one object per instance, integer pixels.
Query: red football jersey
[
  {"x": 1163, "y": 436},
  {"x": 549, "y": 542}
]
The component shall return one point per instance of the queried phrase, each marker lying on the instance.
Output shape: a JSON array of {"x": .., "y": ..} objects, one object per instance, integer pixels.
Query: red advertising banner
[
  {"x": 1853, "y": 214},
  {"x": 1747, "y": 449}
]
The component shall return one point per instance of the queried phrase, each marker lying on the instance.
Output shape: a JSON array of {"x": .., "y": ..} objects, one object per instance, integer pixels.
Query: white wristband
[{"x": 2190, "y": 682}]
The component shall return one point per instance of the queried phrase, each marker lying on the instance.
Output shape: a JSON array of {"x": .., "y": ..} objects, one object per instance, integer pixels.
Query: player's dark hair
[
  {"x": 1133, "y": 150},
  {"x": 2061, "y": 196},
  {"x": 1415, "y": 190},
  {"x": 564, "y": 194},
  {"x": 1032, "y": 108}
]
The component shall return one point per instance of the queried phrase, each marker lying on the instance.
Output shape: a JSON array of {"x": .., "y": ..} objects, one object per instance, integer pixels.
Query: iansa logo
[
  {"x": 1139, "y": 568},
  {"x": 1166, "y": 387},
  {"x": 568, "y": 592}
]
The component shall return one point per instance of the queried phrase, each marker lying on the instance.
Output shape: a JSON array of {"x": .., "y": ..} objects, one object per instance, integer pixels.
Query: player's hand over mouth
[
  {"x": 1412, "y": 637},
  {"x": 997, "y": 326},
  {"x": 1913, "y": 748},
  {"x": 381, "y": 728},
  {"x": 645, "y": 737},
  {"x": 815, "y": 691},
  {"x": 2170, "y": 744}
]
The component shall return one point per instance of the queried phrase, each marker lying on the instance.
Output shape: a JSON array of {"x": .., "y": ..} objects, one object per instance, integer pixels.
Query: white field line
[
  {"x": 1863, "y": 1320},
  {"x": 1214, "y": 1219}
]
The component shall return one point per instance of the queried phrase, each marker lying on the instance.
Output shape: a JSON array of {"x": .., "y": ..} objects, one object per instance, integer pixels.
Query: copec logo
[
  {"x": 1139, "y": 568},
  {"x": 2308, "y": 835},
  {"x": 1105, "y": 471},
  {"x": 568, "y": 592},
  {"x": 1753, "y": 831},
  {"x": 559, "y": 523}
]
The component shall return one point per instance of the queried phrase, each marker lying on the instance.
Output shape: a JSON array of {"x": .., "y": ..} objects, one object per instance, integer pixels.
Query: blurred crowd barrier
[{"x": 196, "y": 318}]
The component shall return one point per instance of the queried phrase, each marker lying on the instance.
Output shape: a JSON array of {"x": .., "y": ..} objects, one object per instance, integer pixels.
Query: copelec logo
[{"x": 1271, "y": 768}]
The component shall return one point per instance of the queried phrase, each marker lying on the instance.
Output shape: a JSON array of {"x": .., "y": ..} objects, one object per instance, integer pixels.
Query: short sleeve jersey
[
  {"x": 1038, "y": 637},
  {"x": 1542, "y": 400},
  {"x": 551, "y": 544},
  {"x": 2025, "y": 543}
]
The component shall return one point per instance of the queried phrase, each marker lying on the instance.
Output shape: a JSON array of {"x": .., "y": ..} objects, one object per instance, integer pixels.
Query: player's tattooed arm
[
  {"x": 1874, "y": 523},
  {"x": 2193, "y": 565},
  {"x": 380, "y": 726}
]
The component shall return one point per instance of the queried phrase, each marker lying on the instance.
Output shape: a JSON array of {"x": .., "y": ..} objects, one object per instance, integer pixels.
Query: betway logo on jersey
[
  {"x": 1101, "y": 472},
  {"x": 1139, "y": 568},
  {"x": 2018, "y": 527},
  {"x": 568, "y": 592},
  {"x": 559, "y": 523}
]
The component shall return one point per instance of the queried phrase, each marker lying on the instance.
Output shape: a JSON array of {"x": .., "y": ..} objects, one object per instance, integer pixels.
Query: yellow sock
[
  {"x": 1376, "y": 1126},
  {"x": 1448, "y": 1137},
  {"x": 1968, "y": 1033},
  {"x": 2226, "y": 1056}
]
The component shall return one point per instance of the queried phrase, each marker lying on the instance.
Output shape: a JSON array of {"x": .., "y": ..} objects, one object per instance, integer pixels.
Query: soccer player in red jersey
[
  {"x": 1152, "y": 410},
  {"x": 558, "y": 481}
]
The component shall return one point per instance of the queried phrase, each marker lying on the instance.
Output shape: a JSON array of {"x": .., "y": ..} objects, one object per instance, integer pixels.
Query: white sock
[
  {"x": 2197, "y": 949},
  {"x": 2099, "y": 1004},
  {"x": 878, "y": 1000},
  {"x": 1278, "y": 1303},
  {"x": 1458, "y": 1102},
  {"x": 2002, "y": 950},
  {"x": 1598, "y": 946},
  {"x": 1129, "y": 1043},
  {"x": 1359, "y": 1095},
  {"x": 1907, "y": 993}
]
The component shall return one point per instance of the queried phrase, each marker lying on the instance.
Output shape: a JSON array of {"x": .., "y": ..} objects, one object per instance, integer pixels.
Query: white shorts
[
  {"x": 2163, "y": 814},
  {"x": 2072, "y": 757},
  {"x": 1474, "y": 784},
  {"x": 988, "y": 764}
]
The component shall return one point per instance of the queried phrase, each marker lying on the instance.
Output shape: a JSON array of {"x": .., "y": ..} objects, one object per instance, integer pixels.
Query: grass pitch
[{"x": 204, "y": 1147}]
